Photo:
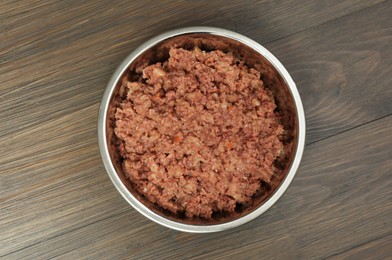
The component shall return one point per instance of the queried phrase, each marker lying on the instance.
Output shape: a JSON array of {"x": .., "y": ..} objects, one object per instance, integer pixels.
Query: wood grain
[
  {"x": 376, "y": 249},
  {"x": 341, "y": 69},
  {"x": 56, "y": 200}
]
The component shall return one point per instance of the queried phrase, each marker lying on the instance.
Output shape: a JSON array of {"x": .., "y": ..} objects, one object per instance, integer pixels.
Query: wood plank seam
[
  {"x": 349, "y": 129},
  {"x": 68, "y": 231},
  {"x": 327, "y": 21},
  {"x": 359, "y": 245},
  {"x": 128, "y": 209}
]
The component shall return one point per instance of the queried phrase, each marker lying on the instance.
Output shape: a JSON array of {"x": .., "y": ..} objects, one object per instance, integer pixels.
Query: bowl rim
[{"x": 139, "y": 206}]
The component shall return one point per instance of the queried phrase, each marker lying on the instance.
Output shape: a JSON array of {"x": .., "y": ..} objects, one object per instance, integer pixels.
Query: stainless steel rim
[{"x": 137, "y": 204}]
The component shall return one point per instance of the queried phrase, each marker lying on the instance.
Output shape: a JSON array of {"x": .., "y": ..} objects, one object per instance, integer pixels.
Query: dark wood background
[{"x": 56, "y": 199}]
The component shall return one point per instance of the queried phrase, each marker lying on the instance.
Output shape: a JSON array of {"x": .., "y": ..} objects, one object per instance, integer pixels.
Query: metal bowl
[{"x": 280, "y": 83}]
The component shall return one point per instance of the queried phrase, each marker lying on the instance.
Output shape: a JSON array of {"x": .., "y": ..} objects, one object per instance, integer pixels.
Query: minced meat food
[{"x": 198, "y": 133}]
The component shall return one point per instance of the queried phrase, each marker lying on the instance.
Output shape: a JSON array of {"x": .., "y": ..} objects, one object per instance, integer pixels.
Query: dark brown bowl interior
[{"x": 272, "y": 80}]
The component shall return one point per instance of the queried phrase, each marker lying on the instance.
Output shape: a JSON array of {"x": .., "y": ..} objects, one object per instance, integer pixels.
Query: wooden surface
[{"x": 56, "y": 199}]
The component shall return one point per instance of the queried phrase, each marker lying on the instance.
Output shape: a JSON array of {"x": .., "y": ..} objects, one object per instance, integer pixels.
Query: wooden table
[{"x": 57, "y": 200}]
